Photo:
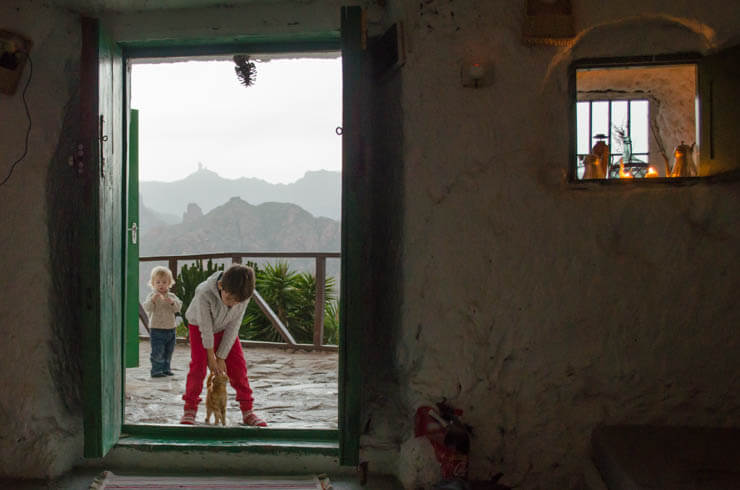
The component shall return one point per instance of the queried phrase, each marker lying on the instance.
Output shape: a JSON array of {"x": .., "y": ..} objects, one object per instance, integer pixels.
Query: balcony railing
[{"x": 277, "y": 324}]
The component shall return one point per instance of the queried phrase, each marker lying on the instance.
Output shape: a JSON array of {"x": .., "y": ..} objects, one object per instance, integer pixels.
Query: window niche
[
  {"x": 636, "y": 121},
  {"x": 656, "y": 118}
]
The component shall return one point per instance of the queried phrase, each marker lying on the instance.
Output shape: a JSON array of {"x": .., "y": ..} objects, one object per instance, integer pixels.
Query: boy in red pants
[{"x": 214, "y": 317}]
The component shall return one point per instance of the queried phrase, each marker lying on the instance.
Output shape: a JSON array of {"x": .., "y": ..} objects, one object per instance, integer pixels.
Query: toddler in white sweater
[{"x": 161, "y": 306}]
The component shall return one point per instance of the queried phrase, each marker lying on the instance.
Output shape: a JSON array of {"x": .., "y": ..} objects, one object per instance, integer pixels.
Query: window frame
[
  {"x": 590, "y": 100},
  {"x": 684, "y": 58}
]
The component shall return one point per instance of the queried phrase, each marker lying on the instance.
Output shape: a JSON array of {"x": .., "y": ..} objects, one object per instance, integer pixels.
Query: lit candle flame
[
  {"x": 622, "y": 173},
  {"x": 651, "y": 172}
]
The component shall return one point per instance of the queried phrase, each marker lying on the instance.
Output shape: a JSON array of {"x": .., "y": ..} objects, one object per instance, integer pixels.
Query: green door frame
[
  {"x": 304, "y": 440},
  {"x": 131, "y": 234}
]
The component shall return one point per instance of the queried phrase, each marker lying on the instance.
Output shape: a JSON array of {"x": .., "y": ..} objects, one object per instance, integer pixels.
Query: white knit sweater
[{"x": 161, "y": 313}]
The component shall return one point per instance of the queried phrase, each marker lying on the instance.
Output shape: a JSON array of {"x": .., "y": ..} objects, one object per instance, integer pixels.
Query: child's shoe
[
  {"x": 252, "y": 419},
  {"x": 188, "y": 417}
]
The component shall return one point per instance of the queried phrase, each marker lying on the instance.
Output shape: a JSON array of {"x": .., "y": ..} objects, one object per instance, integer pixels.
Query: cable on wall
[{"x": 28, "y": 116}]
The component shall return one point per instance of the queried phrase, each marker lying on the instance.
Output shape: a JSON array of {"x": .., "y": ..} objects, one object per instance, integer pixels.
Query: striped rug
[{"x": 108, "y": 480}]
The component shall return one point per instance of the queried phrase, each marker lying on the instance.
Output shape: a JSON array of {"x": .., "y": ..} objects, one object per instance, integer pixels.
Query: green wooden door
[
  {"x": 354, "y": 308},
  {"x": 719, "y": 98},
  {"x": 132, "y": 250},
  {"x": 101, "y": 128}
]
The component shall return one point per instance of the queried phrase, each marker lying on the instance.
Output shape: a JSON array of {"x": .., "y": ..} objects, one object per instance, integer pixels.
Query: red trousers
[{"x": 236, "y": 369}]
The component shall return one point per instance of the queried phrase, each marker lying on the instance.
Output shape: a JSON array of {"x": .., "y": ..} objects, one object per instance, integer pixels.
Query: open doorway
[{"x": 231, "y": 170}]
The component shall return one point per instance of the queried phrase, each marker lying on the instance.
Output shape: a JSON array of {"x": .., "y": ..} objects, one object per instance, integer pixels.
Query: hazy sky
[{"x": 276, "y": 129}]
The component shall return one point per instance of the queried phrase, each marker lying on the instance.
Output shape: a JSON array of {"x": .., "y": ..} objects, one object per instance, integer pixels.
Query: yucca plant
[
  {"x": 276, "y": 285},
  {"x": 331, "y": 323},
  {"x": 305, "y": 310},
  {"x": 292, "y": 297}
]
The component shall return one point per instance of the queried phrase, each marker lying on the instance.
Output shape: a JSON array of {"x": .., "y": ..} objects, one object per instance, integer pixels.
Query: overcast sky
[{"x": 276, "y": 129}]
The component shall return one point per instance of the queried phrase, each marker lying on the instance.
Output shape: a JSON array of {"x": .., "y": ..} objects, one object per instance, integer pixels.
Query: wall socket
[{"x": 14, "y": 50}]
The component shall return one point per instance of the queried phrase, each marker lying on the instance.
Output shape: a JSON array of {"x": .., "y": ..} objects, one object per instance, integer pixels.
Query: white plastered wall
[
  {"x": 38, "y": 436},
  {"x": 541, "y": 308},
  {"x": 534, "y": 307}
]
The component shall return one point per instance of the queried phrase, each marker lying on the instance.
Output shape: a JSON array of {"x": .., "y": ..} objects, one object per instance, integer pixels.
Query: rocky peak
[{"x": 192, "y": 213}]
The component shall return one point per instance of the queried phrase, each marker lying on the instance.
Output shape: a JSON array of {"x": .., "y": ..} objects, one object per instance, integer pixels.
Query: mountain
[
  {"x": 318, "y": 192},
  {"x": 238, "y": 226},
  {"x": 149, "y": 218}
]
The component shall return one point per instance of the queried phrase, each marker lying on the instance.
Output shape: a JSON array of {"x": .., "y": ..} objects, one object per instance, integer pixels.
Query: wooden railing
[{"x": 237, "y": 257}]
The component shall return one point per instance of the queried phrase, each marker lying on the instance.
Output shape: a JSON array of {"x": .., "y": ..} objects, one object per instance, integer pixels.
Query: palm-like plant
[
  {"x": 276, "y": 285},
  {"x": 305, "y": 310},
  {"x": 292, "y": 296},
  {"x": 331, "y": 323}
]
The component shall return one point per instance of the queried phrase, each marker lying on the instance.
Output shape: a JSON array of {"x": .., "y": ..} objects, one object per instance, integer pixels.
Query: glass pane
[
  {"x": 642, "y": 156},
  {"x": 639, "y": 123},
  {"x": 583, "y": 141},
  {"x": 620, "y": 110},
  {"x": 600, "y": 123}
]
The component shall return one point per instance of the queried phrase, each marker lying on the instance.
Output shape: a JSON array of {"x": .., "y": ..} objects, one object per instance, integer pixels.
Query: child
[
  {"x": 214, "y": 317},
  {"x": 161, "y": 305}
]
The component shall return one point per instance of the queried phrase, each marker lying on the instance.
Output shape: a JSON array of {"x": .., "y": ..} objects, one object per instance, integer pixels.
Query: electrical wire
[{"x": 28, "y": 115}]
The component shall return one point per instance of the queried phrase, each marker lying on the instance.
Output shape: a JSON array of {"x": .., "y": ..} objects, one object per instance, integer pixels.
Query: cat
[{"x": 216, "y": 398}]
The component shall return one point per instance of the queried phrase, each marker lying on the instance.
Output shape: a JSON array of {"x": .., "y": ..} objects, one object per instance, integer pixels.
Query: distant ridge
[
  {"x": 240, "y": 226},
  {"x": 318, "y": 192},
  {"x": 149, "y": 218}
]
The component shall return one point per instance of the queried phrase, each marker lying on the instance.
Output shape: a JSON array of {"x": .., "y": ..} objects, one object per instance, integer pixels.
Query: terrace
[
  {"x": 293, "y": 388},
  {"x": 295, "y": 385}
]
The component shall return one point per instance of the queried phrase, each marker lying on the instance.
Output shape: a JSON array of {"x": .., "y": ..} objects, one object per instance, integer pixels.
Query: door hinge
[
  {"x": 77, "y": 158},
  {"x": 102, "y": 138}
]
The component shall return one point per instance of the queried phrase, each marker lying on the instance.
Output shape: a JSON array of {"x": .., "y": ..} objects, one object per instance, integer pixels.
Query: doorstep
[{"x": 152, "y": 437}]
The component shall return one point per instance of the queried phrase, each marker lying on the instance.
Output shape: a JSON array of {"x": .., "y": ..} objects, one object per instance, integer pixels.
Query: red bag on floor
[{"x": 449, "y": 439}]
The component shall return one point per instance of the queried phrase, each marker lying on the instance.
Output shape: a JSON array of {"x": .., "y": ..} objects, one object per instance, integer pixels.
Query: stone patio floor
[{"x": 292, "y": 389}]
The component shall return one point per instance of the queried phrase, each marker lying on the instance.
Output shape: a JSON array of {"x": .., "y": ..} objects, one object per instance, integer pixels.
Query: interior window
[
  {"x": 636, "y": 122},
  {"x": 621, "y": 125}
]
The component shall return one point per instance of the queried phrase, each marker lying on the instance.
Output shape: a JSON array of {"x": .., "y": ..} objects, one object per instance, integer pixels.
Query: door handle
[{"x": 133, "y": 231}]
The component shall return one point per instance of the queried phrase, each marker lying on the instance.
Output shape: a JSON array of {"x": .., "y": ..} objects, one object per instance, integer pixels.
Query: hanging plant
[{"x": 245, "y": 70}]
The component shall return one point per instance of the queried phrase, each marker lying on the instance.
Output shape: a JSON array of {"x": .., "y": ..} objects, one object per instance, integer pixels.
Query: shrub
[{"x": 292, "y": 297}]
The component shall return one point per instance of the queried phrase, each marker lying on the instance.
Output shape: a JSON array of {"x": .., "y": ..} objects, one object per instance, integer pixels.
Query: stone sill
[
  {"x": 726, "y": 177},
  {"x": 230, "y": 439}
]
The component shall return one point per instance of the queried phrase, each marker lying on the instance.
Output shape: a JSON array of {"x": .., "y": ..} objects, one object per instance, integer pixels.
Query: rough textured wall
[
  {"x": 39, "y": 435},
  {"x": 40, "y": 414},
  {"x": 671, "y": 91},
  {"x": 539, "y": 307}
]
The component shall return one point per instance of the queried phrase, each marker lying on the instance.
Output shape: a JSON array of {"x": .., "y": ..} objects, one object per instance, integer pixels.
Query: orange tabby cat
[{"x": 216, "y": 398}]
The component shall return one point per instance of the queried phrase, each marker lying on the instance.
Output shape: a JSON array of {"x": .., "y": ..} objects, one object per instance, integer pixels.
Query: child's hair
[
  {"x": 160, "y": 271},
  {"x": 238, "y": 280}
]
